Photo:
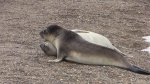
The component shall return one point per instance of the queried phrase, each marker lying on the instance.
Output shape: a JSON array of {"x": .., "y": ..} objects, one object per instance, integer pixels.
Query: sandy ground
[{"x": 22, "y": 61}]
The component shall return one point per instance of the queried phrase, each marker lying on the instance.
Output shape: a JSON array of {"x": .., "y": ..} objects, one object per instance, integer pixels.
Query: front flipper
[
  {"x": 55, "y": 60},
  {"x": 60, "y": 55},
  {"x": 58, "y": 59}
]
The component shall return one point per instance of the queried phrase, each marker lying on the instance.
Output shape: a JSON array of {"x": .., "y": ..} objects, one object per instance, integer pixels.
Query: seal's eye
[{"x": 44, "y": 31}]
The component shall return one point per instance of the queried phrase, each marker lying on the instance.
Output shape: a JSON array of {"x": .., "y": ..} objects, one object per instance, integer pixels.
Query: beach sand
[{"x": 123, "y": 22}]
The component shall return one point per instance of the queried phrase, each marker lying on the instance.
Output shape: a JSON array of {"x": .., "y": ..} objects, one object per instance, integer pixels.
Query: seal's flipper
[
  {"x": 55, "y": 60},
  {"x": 139, "y": 70},
  {"x": 58, "y": 59}
]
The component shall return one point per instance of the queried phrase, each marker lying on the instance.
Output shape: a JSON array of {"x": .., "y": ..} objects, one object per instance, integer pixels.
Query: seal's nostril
[{"x": 44, "y": 31}]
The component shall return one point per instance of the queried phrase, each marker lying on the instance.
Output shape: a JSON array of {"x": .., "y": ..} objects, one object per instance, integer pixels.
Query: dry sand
[{"x": 22, "y": 61}]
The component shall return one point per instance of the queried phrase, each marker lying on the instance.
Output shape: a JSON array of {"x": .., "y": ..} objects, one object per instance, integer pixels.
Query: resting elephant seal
[
  {"x": 72, "y": 47},
  {"x": 95, "y": 38},
  {"x": 89, "y": 36}
]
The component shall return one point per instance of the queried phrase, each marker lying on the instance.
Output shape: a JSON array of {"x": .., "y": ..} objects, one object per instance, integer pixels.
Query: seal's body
[
  {"x": 89, "y": 36},
  {"x": 72, "y": 47}
]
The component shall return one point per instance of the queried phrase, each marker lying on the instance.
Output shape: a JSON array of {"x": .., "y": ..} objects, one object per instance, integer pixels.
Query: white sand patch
[
  {"x": 147, "y": 39},
  {"x": 147, "y": 49}
]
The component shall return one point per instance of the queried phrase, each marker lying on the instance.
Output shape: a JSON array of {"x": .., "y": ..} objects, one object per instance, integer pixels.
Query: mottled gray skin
[{"x": 72, "y": 47}]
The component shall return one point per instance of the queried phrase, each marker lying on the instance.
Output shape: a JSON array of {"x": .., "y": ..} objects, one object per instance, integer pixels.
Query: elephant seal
[
  {"x": 72, "y": 47},
  {"x": 95, "y": 38},
  {"x": 89, "y": 36}
]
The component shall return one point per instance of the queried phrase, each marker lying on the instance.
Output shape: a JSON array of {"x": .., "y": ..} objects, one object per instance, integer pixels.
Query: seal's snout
[{"x": 42, "y": 33}]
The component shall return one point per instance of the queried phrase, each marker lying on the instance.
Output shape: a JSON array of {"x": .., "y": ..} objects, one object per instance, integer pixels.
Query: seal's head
[{"x": 51, "y": 32}]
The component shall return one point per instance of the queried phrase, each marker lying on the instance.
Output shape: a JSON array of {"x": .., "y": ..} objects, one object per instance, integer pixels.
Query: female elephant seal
[{"x": 72, "y": 47}]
